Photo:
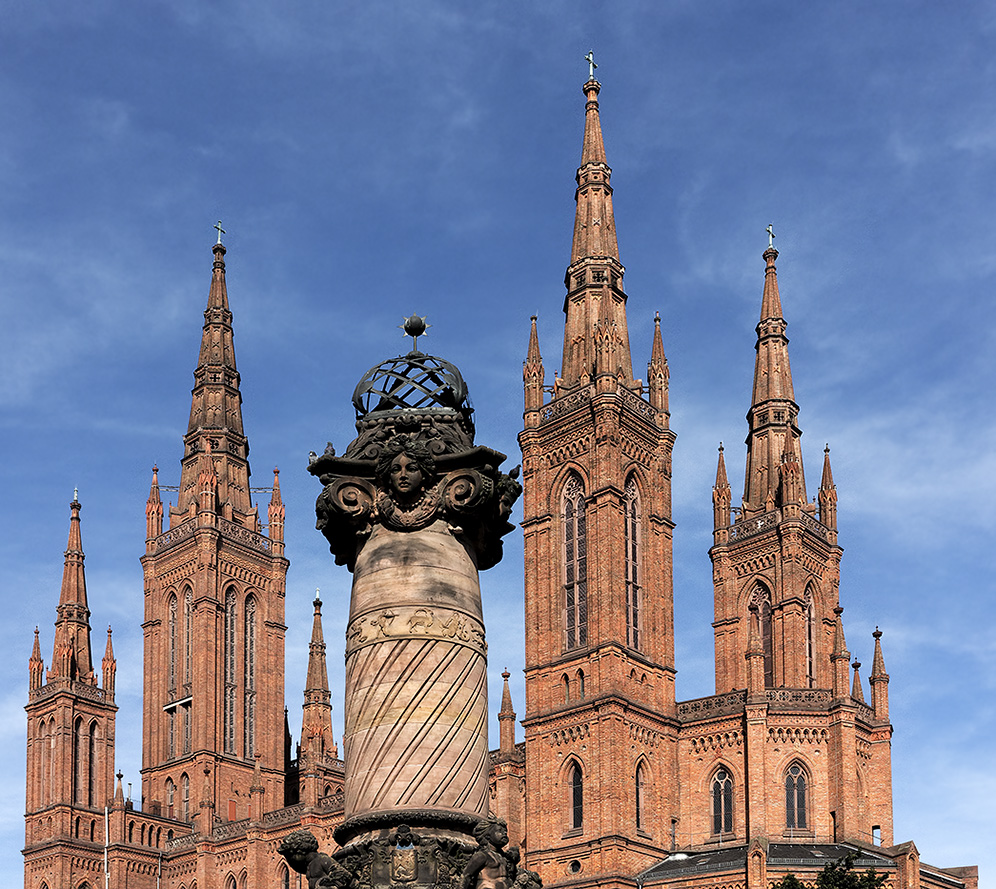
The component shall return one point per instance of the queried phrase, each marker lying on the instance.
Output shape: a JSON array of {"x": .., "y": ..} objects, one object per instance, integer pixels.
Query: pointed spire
[
  {"x": 594, "y": 278},
  {"x": 119, "y": 791},
  {"x": 721, "y": 496},
  {"x": 318, "y": 677},
  {"x": 840, "y": 656},
  {"x": 856, "y": 690},
  {"x": 506, "y": 718},
  {"x": 773, "y": 432},
  {"x": 879, "y": 681},
  {"x": 658, "y": 374},
  {"x": 36, "y": 666},
  {"x": 828, "y": 494},
  {"x": 154, "y": 508},
  {"x": 533, "y": 375},
  {"x": 71, "y": 657},
  {"x": 276, "y": 515},
  {"x": 109, "y": 667},
  {"x": 317, "y": 743},
  {"x": 216, "y": 407}
]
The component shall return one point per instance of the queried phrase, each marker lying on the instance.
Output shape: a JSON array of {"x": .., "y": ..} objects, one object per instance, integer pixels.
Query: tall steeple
[
  {"x": 214, "y": 602},
  {"x": 71, "y": 658},
  {"x": 595, "y": 296},
  {"x": 317, "y": 743},
  {"x": 596, "y": 461},
  {"x": 215, "y": 425},
  {"x": 773, "y": 411}
]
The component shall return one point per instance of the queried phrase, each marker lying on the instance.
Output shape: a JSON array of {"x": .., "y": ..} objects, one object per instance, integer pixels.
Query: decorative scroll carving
[
  {"x": 411, "y": 622},
  {"x": 749, "y": 527}
]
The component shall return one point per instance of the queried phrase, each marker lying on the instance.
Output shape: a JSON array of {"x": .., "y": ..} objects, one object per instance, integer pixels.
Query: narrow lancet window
[
  {"x": 249, "y": 680},
  {"x": 171, "y": 654},
  {"x": 188, "y": 636},
  {"x": 577, "y": 797},
  {"x": 632, "y": 539},
  {"x": 575, "y": 565},
  {"x": 229, "y": 691}
]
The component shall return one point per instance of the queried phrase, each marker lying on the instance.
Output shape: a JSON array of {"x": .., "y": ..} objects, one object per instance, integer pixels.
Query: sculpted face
[
  {"x": 499, "y": 835},
  {"x": 406, "y": 477}
]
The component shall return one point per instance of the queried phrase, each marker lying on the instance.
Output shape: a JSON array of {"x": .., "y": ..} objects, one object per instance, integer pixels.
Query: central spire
[
  {"x": 773, "y": 436},
  {"x": 214, "y": 431},
  {"x": 595, "y": 305}
]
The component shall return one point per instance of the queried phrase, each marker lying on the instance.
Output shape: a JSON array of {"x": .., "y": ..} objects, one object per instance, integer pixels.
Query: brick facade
[{"x": 615, "y": 783}]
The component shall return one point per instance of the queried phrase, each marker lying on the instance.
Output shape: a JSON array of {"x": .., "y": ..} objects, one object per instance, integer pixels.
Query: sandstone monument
[{"x": 415, "y": 509}]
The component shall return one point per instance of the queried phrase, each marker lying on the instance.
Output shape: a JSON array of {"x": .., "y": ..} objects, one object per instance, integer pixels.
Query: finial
[
  {"x": 415, "y": 327},
  {"x": 771, "y": 236},
  {"x": 826, "y": 448},
  {"x": 721, "y": 447},
  {"x": 839, "y": 610},
  {"x": 657, "y": 317},
  {"x": 221, "y": 231},
  {"x": 505, "y": 674},
  {"x": 119, "y": 775},
  {"x": 877, "y": 634},
  {"x": 590, "y": 59},
  {"x": 318, "y": 598}
]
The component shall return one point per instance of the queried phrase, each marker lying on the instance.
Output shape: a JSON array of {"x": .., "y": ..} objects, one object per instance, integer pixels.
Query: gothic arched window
[
  {"x": 638, "y": 794},
  {"x": 575, "y": 565},
  {"x": 185, "y": 797},
  {"x": 284, "y": 877},
  {"x": 576, "y": 799},
  {"x": 188, "y": 635},
  {"x": 249, "y": 679},
  {"x": 171, "y": 643},
  {"x": 632, "y": 540},
  {"x": 580, "y": 679},
  {"x": 762, "y": 598},
  {"x": 229, "y": 659},
  {"x": 795, "y": 797},
  {"x": 91, "y": 765},
  {"x": 722, "y": 802},
  {"x": 809, "y": 616},
  {"x": 170, "y": 797},
  {"x": 79, "y": 751}
]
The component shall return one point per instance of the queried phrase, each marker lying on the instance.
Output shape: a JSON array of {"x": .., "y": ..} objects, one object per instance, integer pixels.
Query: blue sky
[{"x": 372, "y": 159}]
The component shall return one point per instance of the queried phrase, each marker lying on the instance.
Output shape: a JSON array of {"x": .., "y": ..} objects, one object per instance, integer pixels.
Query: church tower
[
  {"x": 781, "y": 553},
  {"x": 788, "y": 748},
  {"x": 599, "y": 723},
  {"x": 70, "y": 764},
  {"x": 214, "y": 608}
]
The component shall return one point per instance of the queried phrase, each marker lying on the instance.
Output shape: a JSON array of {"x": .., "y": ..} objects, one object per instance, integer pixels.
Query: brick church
[{"x": 615, "y": 783}]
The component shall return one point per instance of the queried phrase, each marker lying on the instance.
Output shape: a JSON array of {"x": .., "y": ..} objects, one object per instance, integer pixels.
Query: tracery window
[
  {"x": 633, "y": 578},
  {"x": 249, "y": 679},
  {"x": 795, "y": 797},
  {"x": 228, "y": 715},
  {"x": 577, "y": 797},
  {"x": 575, "y": 565},
  {"x": 722, "y": 802}
]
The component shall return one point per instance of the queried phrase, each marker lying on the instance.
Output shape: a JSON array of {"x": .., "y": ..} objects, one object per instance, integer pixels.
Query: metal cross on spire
[
  {"x": 771, "y": 235},
  {"x": 221, "y": 231},
  {"x": 590, "y": 59}
]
